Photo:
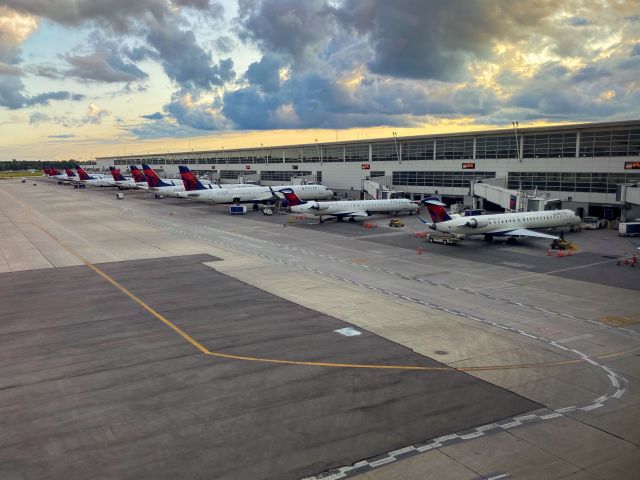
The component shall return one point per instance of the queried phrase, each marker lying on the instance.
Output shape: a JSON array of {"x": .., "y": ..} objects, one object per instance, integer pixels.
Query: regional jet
[
  {"x": 96, "y": 179},
  {"x": 347, "y": 208},
  {"x": 162, "y": 186},
  {"x": 509, "y": 225},
  {"x": 125, "y": 182},
  {"x": 246, "y": 193}
]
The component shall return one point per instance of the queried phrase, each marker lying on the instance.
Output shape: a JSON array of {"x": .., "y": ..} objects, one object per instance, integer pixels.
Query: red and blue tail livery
[
  {"x": 117, "y": 176},
  {"x": 137, "y": 174},
  {"x": 291, "y": 197},
  {"x": 190, "y": 180},
  {"x": 153, "y": 179},
  {"x": 82, "y": 174},
  {"x": 69, "y": 172},
  {"x": 436, "y": 210}
]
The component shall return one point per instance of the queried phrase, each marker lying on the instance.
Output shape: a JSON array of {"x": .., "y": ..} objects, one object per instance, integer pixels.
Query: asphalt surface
[{"x": 93, "y": 386}]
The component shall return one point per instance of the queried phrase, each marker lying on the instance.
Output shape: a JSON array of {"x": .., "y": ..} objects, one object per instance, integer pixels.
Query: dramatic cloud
[
  {"x": 118, "y": 15},
  {"x": 153, "y": 116},
  {"x": 333, "y": 63},
  {"x": 299, "y": 29},
  {"x": 189, "y": 110},
  {"x": 12, "y": 96},
  {"x": 14, "y": 29},
  {"x": 185, "y": 62},
  {"x": 94, "y": 114}
]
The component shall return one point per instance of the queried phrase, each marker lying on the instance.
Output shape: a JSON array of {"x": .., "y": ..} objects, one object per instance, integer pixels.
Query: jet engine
[
  {"x": 317, "y": 206},
  {"x": 475, "y": 223}
]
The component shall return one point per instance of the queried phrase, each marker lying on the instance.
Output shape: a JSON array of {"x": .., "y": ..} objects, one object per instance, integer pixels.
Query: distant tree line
[{"x": 36, "y": 164}]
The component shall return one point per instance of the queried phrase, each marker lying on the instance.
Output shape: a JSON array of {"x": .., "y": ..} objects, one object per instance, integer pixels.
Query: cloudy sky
[{"x": 82, "y": 78}]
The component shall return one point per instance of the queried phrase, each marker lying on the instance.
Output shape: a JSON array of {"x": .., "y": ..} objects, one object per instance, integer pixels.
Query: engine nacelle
[
  {"x": 475, "y": 223},
  {"x": 318, "y": 206}
]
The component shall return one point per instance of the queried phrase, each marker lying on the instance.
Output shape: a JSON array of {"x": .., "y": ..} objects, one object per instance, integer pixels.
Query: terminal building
[{"x": 583, "y": 166}]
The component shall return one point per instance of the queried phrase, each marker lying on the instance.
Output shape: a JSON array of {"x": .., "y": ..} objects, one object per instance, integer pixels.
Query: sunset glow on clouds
[{"x": 81, "y": 78}]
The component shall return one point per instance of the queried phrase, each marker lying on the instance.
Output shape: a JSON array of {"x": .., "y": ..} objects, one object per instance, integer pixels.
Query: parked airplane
[
  {"x": 53, "y": 172},
  {"x": 139, "y": 177},
  {"x": 126, "y": 182},
  {"x": 509, "y": 225},
  {"x": 162, "y": 186},
  {"x": 71, "y": 176},
  {"x": 244, "y": 193},
  {"x": 347, "y": 208},
  {"x": 96, "y": 179},
  {"x": 196, "y": 190}
]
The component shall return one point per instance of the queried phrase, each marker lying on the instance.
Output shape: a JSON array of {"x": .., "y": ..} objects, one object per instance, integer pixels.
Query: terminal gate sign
[{"x": 632, "y": 165}]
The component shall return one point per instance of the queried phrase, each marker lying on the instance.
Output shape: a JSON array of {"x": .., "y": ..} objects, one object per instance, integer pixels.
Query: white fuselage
[
  {"x": 356, "y": 207},
  {"x": 229, "y": 195},
  {"x": 99, "y": 180},
  {"x": 306, "y": 192},
  {"x": 131, "y": 183},
  {"x": 503, "y": 222},
  {"x": 255, "y": 193}
]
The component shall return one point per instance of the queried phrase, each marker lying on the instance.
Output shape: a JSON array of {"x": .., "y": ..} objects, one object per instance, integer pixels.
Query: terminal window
[
  {"x": 598, "y": 182},
  {"x": 421, "y": 150},
  {"x": 385, "y": 152},
  {"x": 332, "y": 154},
  {"x": 439, "y": 179},
  {"x": 611, "y": 143},
  {"x": 357, "y": 153},
  {"x": 549, "y": 145},
  {"x": 454, "y": 148}
]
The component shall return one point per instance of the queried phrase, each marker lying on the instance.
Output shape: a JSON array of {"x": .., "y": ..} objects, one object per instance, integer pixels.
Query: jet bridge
[
  {"x": 629, "y": 196},
  {"x": 495, "y": 191}
]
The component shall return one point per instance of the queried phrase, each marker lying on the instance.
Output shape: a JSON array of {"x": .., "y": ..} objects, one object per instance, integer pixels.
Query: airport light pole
[
  {"x": 395, "y": 140},
  {"x": 319, "y": 151}
]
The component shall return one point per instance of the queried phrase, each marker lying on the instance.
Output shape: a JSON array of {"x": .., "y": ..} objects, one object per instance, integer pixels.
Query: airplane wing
[{"x": 524, "y": 232}]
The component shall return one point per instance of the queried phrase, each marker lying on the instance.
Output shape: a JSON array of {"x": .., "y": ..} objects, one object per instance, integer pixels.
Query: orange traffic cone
[
  {"x": 560, "y": 253},
  {"x": 569, "y": 253},
  {"x": 549, "y": 252},
  {"x": 420, "y": 250}
]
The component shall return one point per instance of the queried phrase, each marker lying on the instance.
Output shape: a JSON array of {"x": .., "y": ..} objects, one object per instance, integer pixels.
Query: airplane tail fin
[
  {"x": 69, "y": 172},
  {"x": 190, "y": 180},
  {"x": 82, "y": 174},
  {"x": 117, "y": 176},
  {"x": 54, "y": 171},
  {"x": 291, "y": 197},
  {"x": 436, "y": 210},
  {"x": 46, "y": 170},
  {"x": 152, "y": 177},
  {"x": 137, "y": 174}
]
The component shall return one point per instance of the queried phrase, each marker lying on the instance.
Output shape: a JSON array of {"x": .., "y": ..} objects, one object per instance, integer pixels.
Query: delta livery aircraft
[
  {"x": 347, "y": 208},
  {"x": 243, "y": 194},
  {"x": 161, "y": 186},
  {"x": 123, "y": 182},
  {"x": 97, "y": 180},
  {"x": 509, "y": 225}
]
